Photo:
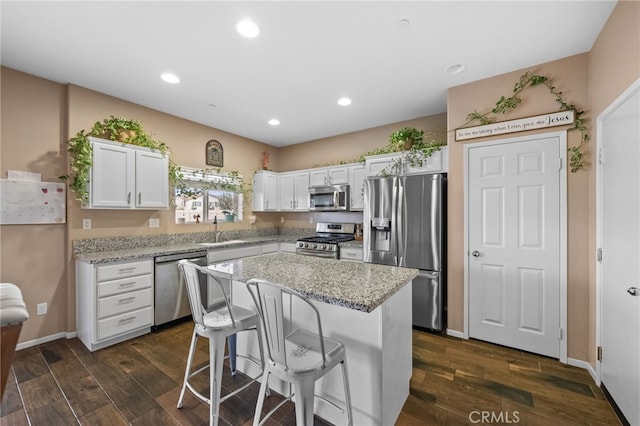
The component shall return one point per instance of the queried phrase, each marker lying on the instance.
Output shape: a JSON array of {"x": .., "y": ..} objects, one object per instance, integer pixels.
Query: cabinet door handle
[
  {"x": 139, "y": 197},
  {"x": 129, "y": 198}
]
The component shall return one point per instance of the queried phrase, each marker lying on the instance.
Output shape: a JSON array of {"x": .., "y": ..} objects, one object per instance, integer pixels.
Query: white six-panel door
[{"x": 514, "y": 221}]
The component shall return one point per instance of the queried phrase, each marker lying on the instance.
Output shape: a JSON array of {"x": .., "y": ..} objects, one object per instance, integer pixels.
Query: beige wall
[
  {"x": 350, "y": 146},
  {"x": 591, "y": 81},
  {"x": 569, "y": 75},
  {"x": 33, "y": 256}
]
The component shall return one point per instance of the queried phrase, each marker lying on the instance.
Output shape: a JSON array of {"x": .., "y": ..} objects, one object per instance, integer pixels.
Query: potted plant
[
  {"x": 405, "y": 138},
  {"x": 225, "y": 203}
]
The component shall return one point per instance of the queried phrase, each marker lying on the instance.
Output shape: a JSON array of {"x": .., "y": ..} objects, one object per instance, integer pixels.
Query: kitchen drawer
[
  {"x": 124, "y": 285},
  {"x": 354, "y": 254},
  {"x": 124, "y": 323},
  {"x": 123, "y": 270},
  {"x": 114, "y": 305}
]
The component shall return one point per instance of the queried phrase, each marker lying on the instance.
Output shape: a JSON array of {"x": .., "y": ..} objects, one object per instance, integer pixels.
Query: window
[{"x": 198, "y": 190}]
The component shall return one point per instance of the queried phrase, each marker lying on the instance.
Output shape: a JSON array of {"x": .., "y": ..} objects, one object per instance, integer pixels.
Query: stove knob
[
  {"x": 306, "y": 245},
  {"x": 315, "y": 246},
  {"x": 323, "y": 246}
]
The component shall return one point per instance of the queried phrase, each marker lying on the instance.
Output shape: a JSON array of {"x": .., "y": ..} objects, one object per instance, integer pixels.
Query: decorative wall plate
[{"x": 214, "y": 154}]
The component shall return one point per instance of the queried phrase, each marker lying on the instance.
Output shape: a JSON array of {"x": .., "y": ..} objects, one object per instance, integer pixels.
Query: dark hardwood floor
[{"x": 138, "y": 382}]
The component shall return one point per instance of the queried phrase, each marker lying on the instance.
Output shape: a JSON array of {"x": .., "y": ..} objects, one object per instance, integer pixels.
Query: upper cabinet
[
  {"x": 397, "y": 164},
  {"x": 329, "y": 176},
  {"x": 127, "y": 177},
  {"x": 294, "y": 191},
  {"x": 265, "y": 191},
  {"x": 357, "y": 175}
]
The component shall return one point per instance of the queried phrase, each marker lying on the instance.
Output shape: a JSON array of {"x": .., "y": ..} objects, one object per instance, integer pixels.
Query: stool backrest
[
  {"x": 190, "y": 273},
  {"x": 276, "y": 324}
]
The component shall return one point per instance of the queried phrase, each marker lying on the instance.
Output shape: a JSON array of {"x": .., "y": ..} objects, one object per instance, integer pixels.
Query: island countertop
[{"x": 354, "y": 285}]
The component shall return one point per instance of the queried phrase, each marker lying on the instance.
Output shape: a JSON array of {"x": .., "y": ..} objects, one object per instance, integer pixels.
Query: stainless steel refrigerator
[{"x": 404, "y": 225}]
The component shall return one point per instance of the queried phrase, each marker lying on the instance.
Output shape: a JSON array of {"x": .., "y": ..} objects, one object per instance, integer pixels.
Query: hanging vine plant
[{"x": 507, "y": 104}]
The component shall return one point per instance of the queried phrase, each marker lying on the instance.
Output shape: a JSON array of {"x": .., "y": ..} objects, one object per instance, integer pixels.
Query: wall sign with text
[{"x": 561, "y": 118}]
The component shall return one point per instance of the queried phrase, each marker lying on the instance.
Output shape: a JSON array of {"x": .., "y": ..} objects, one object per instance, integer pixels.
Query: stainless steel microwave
[{"x": 329, "y": 198}]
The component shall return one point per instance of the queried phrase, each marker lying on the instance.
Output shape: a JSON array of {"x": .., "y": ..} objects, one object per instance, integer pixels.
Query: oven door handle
[{"x": 326, "y": 254}]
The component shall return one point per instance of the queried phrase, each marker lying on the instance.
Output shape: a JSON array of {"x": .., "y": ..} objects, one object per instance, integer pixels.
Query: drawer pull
[
  {"x": 128, "y": 319},
  {"x": 124, "y": 270},
  {"x": 130, "y": 283},
  {"x": 127, "y": 299}
]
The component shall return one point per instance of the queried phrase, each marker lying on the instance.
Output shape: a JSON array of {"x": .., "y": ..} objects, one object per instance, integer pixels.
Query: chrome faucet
[{"x": 216, "y": 233}]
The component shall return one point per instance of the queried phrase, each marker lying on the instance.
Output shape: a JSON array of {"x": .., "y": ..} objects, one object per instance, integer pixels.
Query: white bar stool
[
  {"x": 216, "y": 325},
  {"x": 298, "y": 357}
]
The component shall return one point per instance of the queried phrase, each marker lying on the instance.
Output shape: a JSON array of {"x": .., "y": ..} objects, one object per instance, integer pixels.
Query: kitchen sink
[{"x": 221, "y": 243}]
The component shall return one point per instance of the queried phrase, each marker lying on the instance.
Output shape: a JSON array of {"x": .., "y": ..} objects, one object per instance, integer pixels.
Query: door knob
[
  {"x": 475, "y": 253},
  {"x": 634, "y": 291}
]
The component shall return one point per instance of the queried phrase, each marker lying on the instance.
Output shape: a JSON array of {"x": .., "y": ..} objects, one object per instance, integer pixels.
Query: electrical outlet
[
  {"x": 86, "y": 223},
  {"x": 41, "y": 308},
  {"x": 310, "y": 219},
  {"x": 281, "y": 219},
  {"x": 154, "y": 222},
  {"x": 252, "y": 220}
]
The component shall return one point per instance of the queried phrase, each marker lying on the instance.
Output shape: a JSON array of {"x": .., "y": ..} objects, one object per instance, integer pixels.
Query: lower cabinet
[{"x": 114, "y": 302}]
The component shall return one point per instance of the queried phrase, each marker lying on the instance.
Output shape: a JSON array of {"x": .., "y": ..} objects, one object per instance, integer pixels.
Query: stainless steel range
[{"x": 325, "y": 242}]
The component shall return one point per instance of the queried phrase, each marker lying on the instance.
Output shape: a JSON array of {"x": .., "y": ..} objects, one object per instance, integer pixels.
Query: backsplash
[{"x": 127, "y": 243}]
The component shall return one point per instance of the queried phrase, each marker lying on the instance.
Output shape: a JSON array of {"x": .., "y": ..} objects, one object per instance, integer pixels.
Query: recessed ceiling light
[
  {"x": 274, "y": 122},
  {"x": 456, "y": 69},
  {"x": 344, "y": 101},
  {"x": 247, "y": 29},
  {"x": 170, "y": 78}
]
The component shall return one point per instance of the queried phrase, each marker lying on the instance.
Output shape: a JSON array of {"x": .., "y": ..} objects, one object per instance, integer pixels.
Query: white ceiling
[{"x": 308, "y": 54}]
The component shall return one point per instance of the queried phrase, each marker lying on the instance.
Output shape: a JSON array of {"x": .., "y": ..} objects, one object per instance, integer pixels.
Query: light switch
[
  {"x": 154, "y": 222},
  {"x": 86, "y": 223}
]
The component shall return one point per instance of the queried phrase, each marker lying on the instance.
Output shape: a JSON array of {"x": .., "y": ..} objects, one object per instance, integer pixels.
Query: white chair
[
  {"x": 222, "y": 321},
  {"x": 296, "y": 356}
]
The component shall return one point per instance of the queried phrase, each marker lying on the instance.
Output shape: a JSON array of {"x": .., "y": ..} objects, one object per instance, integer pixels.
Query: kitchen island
[{"x": 367, "y": 307}]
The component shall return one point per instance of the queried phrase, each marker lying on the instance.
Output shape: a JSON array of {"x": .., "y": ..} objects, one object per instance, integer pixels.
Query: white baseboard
[
  {"x": 455, "y": 333},
  {"x": 584, "y": 364},
  {"x": 45, "y": 339}
]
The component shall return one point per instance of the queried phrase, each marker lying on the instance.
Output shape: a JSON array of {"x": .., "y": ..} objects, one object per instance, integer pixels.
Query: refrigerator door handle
[{"x": 398, "y": 225}]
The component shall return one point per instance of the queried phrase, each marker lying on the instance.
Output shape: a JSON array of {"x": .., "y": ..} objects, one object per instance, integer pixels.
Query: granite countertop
[
  {"x": 354, "y": 285},
  {"x": 148, "y": 252}
]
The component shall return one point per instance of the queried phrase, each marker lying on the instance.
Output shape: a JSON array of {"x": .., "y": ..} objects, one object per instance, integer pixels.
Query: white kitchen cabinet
[
  {"x": 329, "y": 176},
  {"x": 395, "y": 164},
  {"x": 127, "y": 177},
  {"x": 294, "y": 191},
  {"x": 265, "y": 191},
  {"x": 379, "y": 165},
  {"x": 438, "y": 162},
  {"x": 114, "y": 302},
  {"x": 357, "y": 175}
]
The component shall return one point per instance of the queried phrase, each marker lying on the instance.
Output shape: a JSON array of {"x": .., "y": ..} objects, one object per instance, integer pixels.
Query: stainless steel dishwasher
[{"x": 171, "y": 299}]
